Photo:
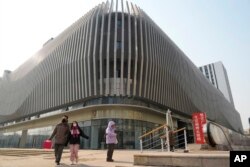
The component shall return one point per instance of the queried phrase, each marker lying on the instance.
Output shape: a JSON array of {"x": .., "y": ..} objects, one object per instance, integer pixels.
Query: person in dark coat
[
  {"x": 171, "y": 140},
  {"x": 74, "y": 141},
  {"x": 60, "y": 133}
]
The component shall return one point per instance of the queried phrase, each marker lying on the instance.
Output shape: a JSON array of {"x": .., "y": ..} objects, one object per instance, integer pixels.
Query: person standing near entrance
[
  {"x": 74, "y": 141},
  {"x": 171, "y": 140},
  {"x": 111, "y": 140},
  {"x": 60, "y": 133}
]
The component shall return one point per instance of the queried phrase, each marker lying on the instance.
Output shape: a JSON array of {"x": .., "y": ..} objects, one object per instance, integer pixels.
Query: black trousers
[
  {"x": 58, "y": 148},
  {"x": 172, "y": 148},
  {"x": 110, "y": 151}
]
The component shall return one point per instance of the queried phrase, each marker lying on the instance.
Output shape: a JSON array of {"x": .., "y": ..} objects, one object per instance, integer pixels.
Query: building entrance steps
[
  {"x": 173, "y": 159},
  {"x": 24, "y": 152}
]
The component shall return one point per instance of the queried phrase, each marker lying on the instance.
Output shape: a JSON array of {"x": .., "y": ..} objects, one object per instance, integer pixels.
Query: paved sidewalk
[
  {"x": 87, "y": 158},
  {"x": 91, "y": 158}
]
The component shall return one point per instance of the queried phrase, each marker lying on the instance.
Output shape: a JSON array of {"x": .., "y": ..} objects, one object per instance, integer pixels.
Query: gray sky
[{"x": 206, "y": 31}]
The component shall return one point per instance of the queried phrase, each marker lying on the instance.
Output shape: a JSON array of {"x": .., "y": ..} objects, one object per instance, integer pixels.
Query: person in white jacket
[{"x": 111, "y": 140}]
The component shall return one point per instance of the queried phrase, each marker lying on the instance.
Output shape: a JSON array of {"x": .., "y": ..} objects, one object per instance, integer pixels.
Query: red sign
[
  {"x": 199, "y": 119},
  {"x": 203, "y": 117}
]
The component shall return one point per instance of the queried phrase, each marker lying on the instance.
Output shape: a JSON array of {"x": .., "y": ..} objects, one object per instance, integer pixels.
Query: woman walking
[
  {"x": 111, "y": 140},
  {"x": 74, "y": 141}
]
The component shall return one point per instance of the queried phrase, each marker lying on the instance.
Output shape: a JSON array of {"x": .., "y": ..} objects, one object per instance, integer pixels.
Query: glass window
[
  {"x": 119, "y": 23},
  {"x": 118, "y": 45}
]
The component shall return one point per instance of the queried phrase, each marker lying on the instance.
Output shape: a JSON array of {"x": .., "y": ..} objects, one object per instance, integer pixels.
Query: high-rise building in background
[{"x": 217, "y": 75}]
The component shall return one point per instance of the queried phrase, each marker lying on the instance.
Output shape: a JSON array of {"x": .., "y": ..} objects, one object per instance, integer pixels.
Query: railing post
[
  {"x": 162, "y": 145},
  {"x": 141, "y": 145},
  {"x": 167, "y": 139},
  {"x": 167, "y": 134},
  {"x": 185, "y": 138}
]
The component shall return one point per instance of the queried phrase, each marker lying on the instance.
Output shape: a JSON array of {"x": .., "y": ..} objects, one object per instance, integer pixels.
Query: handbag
[{"x": 47, "y": 144}]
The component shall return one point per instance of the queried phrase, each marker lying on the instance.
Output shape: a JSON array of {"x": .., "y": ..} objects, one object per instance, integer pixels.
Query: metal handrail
[
  {"x": 147, "y": 137},
  {"x": 183, "y": 139},
  {"x": 152, "y": 143},
  {"x": 152, "y": 140},
  {"x": 178, "y": 130},
  {"x": 152, "y": 131}
]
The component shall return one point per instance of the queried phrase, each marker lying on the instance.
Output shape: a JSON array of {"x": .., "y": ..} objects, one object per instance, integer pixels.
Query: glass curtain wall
[
  {"x": 11, "y": 139},
  {"x": 35, "y": 137},
  {"x": 128, "y": 132}
]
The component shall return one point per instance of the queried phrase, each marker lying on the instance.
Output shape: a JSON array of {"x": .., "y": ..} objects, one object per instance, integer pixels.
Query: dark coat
[
  {"x": 76, "y": 140},
  {"x": 60, "y": 133},
  {"x": 171, "y": 138}
]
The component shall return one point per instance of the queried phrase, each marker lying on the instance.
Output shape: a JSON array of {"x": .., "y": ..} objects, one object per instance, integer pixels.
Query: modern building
[
  {"x": 217, "y": 75},
  {"x": 112, "y": 64}
]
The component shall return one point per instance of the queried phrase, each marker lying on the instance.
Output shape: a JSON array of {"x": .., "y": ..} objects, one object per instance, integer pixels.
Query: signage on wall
[{"x": 199, "y": 119}]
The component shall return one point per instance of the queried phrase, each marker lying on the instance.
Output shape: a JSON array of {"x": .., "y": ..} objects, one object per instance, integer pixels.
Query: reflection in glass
[
  {"x": 11, "y": 139},
  {"x": 35, "y": 137}
]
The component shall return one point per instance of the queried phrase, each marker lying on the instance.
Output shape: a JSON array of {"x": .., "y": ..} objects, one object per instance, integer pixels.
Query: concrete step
[
  {"x": 183, "y": 160},
  {"x": 26, "y": 152}
]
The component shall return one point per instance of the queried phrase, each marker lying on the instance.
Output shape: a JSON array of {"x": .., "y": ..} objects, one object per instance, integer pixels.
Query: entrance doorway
[{"x": 181, "y": 141}]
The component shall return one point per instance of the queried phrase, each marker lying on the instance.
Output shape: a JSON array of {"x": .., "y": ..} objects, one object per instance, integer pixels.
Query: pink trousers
[{"x": 74, "y": 152}]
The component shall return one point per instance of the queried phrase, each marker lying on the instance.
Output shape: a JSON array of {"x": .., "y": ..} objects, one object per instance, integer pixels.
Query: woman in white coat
[{"x": 111, "y": 140}]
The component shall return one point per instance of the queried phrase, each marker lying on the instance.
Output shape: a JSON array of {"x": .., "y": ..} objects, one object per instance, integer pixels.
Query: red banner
[{"x": 199, "y": 119}]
